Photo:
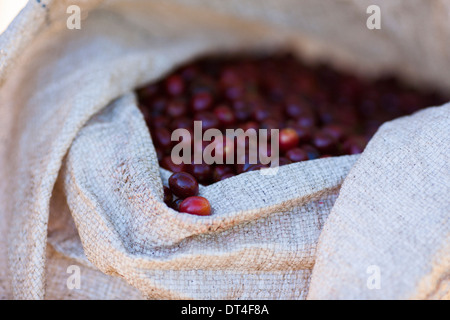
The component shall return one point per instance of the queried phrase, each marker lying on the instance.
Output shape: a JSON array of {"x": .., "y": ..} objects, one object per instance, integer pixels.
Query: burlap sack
[{"x": 81, "y": 185}]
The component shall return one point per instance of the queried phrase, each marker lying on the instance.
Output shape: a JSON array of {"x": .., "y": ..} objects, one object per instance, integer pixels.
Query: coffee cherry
[
  {"x": 176, "y": 108},
  {"x": 201, "y": 101},
  {"x": 221, "y": 170},
  {"x": 226, "y": 176},
  {"x": 224, "y": 115},
  {"x": 168, "y": 164},
  {"x": 354, "y": 145},
  {"x": 168, "y": 197},
  {"x": 311, "y": 151},
  {"x": 283, "y": 161},
  {"x": 202, "y": 172},
  {"x": 255, "y": 167},
  {"x": 208, "y": 119},
  {"x": 335, "y": 131},
  {"x": 175, "y": 85},
  {"x": 183, "y": 185},
  {"x": 162, "y": 138},
  {"x": 288, "y": 139},
  {"x": 324, "y": 142},
  {"x": 175, "y": 204},
  {"x": 156, "y": 122},
  {"x": 196, "y": 205},
  {"x": 297, "y": 155}
]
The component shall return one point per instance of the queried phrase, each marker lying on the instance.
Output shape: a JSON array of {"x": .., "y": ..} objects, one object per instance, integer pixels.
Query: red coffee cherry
[
  {"x": 183, "y": 185},
  {"x": 288, "y": 139},
  {"x": 197, "y": 205}
]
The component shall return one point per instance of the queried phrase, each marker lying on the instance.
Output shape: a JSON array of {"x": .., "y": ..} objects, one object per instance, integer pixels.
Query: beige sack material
[{"x": 80, "y": 184}]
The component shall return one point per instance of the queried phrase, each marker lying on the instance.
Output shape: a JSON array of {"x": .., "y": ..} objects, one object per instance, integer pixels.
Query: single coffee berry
[
  {"x": 183, "y": 185},
  {"x": 297, "y": 155},
  {"x": 288, "y": 139},
  {"x": 197, "y": 205}
]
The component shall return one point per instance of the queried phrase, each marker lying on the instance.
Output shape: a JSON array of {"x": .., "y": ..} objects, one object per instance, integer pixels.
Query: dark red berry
[
  {"x": 162, "y": 138},
  {"x": 221, "y": 170},
  {"x": 168, "y": 197},
  {"x": 202, "y": 172},
  {"x": 336, "y": 131},
  {"x": 226, "y": 176},
  {"x": 201, "y": 101},
  {"x": 183, "y": 185},
  {"x": 354, "y": 145},
  {"x": 306, "y": 120},
  {"x": 295, "y": 108},
  {"x": 304, "y": 133},
  {"x": 225, "y": 115},
  {"x": 324, "y": 142},
  {"x": 175, "y": 85},
  {"x": 168, "y": 164},
  {"x": 283, "y": 161},
  {"x": 176, "y": 204},
  {"x": 208, "y": 119},
  {"x": 159, "y": 154},
  {"x": 176, "y": 108},
  {"x": 311, "y": 151},
  {"x": 297, "y": 155},
  {"x": 261, "y": 114},
  {"x": 182, "y": 123},
  {"x": 255, "y": 167},
  {"x": 158, "y": 122}
]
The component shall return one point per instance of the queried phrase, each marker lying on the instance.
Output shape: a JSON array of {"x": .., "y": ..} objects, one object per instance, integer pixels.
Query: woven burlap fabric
[
  {"x": 80, "y": 184},
  {"x": 401, "y": 219}
]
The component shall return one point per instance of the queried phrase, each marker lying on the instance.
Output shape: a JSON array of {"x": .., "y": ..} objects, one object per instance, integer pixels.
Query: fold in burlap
[
  {"x": 81, "y": 185},
  {"x": 397, "y": 222}
]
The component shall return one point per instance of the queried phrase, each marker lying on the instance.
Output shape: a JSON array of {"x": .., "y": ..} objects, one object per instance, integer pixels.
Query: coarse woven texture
[
  {"x": 401, "y": 219},
  {"x": 80, "y": 181}
]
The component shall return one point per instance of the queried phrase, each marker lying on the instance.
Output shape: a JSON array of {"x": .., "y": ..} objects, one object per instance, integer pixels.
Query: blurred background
[{"x": 8, "y": 11}]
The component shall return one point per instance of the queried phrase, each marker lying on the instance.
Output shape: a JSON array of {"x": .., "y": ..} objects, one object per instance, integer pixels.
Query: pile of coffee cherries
[
  {"x": 184, "y": 187},
  {"x": 320, "y": 112}
]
